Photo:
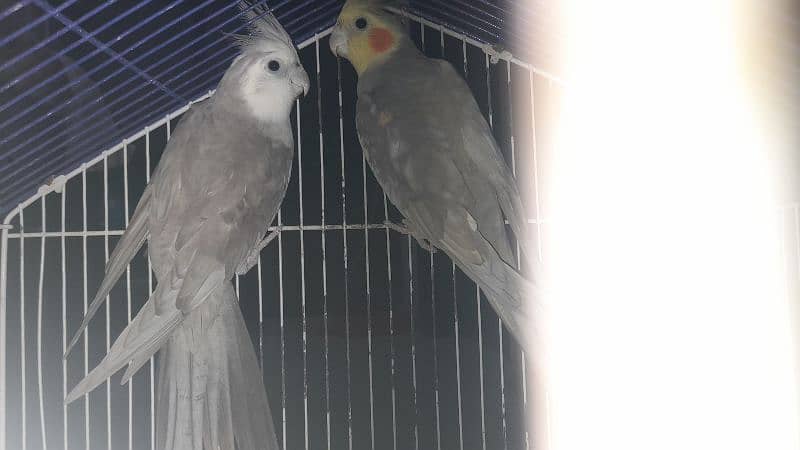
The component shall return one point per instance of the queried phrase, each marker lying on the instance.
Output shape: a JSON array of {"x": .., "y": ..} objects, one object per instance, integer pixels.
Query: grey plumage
[
  {"x": 433, "y": 153},
  {"x": 217, "y": 187}
]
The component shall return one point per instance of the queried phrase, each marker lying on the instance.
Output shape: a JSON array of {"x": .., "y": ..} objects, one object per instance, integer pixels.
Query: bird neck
[
  {"x": 250, "y": 112},
  {"x": 406, "y": 57},
  {"x": 403, "y": 46}
]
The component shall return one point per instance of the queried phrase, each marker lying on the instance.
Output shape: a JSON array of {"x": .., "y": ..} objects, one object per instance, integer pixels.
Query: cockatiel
[
  {"x": 204, "y": 214},
  {"x": 433, "y": 153}
]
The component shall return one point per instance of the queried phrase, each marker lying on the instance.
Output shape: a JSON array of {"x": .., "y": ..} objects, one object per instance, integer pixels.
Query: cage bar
[{"x": 39, "y": 330}]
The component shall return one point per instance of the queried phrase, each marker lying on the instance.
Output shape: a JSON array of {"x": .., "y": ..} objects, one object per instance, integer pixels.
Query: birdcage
[{"x": 365, "y": 339}]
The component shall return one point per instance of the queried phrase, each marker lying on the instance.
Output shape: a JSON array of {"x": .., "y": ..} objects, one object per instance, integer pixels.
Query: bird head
[
  {"x": 368, "y": 31},
  {"x": 267, "y": 76}
]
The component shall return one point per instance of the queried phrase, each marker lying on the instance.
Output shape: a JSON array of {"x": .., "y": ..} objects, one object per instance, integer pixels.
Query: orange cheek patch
[{"x": 380, "y": 39}]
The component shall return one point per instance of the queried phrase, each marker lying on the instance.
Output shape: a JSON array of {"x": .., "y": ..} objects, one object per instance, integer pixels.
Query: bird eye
[
  {"x": 274, "y": 66},
  {"x": 361, "y": 23}
]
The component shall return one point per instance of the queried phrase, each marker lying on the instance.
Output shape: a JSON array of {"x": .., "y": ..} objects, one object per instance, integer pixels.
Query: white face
[{"x": 268, "y": 79}]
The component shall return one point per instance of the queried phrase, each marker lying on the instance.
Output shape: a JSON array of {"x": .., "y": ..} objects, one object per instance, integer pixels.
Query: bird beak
[
  {"x": 339, "y": 42},
  {"x": 299, "y": 79}
]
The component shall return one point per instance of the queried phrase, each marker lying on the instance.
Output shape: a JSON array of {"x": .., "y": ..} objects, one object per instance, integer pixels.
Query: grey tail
[
  {"x": 515, "y": 299},
  {"x": 123, "y": 253},
  {"x": 210, "y": 390},
  {"x": 141, "y": 339}
]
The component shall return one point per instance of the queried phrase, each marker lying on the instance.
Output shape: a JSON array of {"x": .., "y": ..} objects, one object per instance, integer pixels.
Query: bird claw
[
  {"x": 252, "y": 258},
  {"x": 408, "y": 228}
]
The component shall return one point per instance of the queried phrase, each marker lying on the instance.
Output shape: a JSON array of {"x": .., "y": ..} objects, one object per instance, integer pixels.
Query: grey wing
[
  {"x": 417, "y": 151},
  {"x": 126, "y": 249},
  {"x": 406, "y": 173},
  {"x": 214, "y": 209},
  {"x": 480, "y": 146},
  {"x": 139, "y": 226}
]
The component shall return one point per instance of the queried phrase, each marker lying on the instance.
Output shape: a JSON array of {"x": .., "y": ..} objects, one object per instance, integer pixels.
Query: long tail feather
[
  {"x": 140, "y": 340},
  {"x": 210, "y": 391},
  {"x": 517, "y": 301},
  {"x": 123, "y": 253}
]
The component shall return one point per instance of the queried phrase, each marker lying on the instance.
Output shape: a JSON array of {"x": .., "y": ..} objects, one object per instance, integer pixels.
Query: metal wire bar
[
  {"x": 392, "y": 355},
  {"x": 454, "y": 23},
  {"x": 489, "y": 49},
  {"x": 43, "y": 190},
  {"x": 127, "y": 285},
  {"x": 80, "y": 78},
  {"x": 302, "y": 275},
  {"x": 22, "y": 352},
  {"x": 64, "y": 313},
  {"x": 39, "y": 372},
  {"x": 466, "y": 21},
  {"x": 346, "y": 268},
  {"x": 456, "y": 327},
  {"x": 435, "y": 359},
  {"x": 433, "y": 309},
  {"x": 131, "y": 92},
  {"x": 324, "y": 250},
  {"x": 456, "y": 333},
  {"x": 477, "y": 288},
  {"x": 500, "y": 321},
  {"x": 283, "y": 334},
  {"x": 108, "y": 297},
  {"x": 29, "y": 26},
  {"x": 302, "y": 7},
  {"x": 105, "y": 49},
  {"x": 281, "y": 228},
  {"x": 210, "y": 72},
  {"x": 260, "y": 315},
  {"x": 77, "y": 80},
  {"x": 369, "y": 304},
  {"x": 454, "y": 9},
  {"x": 413, "y": 343},
  {"x": 332, "y": 11},
  {"x": 85, "y": 308},
  {"x": 486, "y": 12},
  {"x": 484, "y": 47},
  {"x": 93, "y": 125},
  {"x": 286, "y": 228},
  {"x": 147, "y": 173}
]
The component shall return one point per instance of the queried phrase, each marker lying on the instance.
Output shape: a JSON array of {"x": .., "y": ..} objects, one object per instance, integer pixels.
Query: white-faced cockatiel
[
  {"x": 433, "y": 153},
  {"x": 204, "y": 215}
]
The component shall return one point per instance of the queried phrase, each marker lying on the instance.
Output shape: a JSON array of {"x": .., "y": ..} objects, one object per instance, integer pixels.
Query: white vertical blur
[{"x": 669, "y": 327}]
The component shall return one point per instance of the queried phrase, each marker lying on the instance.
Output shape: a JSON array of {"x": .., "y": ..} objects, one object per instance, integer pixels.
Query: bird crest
[{"x": 263, "y": 26}]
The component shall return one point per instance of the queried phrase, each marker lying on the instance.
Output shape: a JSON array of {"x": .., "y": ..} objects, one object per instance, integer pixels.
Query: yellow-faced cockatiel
[
  {"x": 434, "y": 155},
  {"x": 215, "y": 191}
]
